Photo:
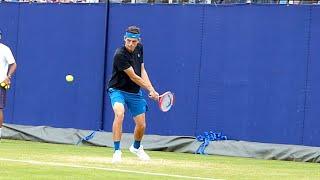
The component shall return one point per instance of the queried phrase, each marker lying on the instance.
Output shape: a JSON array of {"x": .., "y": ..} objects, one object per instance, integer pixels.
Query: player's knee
[
  {"x": 141, "y": 125},
  {"x": 118, "y": 109},
  {"x": 119, "y": 116}
]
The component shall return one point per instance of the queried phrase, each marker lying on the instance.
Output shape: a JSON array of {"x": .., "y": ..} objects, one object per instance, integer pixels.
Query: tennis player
[
  {"x": 128, "y": 75},
  {"x": 7, "y": 68}
]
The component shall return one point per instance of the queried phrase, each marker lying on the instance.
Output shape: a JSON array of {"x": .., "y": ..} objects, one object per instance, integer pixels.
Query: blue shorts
[{"x": 135, "y": 102}]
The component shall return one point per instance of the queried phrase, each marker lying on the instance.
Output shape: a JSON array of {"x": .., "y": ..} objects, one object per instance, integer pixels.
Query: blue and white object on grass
[
  {"x": 206, "y": 137},
  {"x": 87, "y": 138}
]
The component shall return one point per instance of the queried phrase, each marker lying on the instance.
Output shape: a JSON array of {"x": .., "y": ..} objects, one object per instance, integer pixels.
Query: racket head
[{"x": 166, "y": 101}]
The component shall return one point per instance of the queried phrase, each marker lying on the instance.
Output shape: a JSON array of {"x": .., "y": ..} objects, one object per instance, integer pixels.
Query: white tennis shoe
[
  {"x": 116, "y": 158},
  {"x": 140, "y": 153}
]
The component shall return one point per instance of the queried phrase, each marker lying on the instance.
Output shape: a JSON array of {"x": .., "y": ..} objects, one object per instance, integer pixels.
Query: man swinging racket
[{"x": 128, "y": 75}]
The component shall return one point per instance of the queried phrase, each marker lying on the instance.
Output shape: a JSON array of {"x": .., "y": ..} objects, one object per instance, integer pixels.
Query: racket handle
[{"x": 152, "y": 98}]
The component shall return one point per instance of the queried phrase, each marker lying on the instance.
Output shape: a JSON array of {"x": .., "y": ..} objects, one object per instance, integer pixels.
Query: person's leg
[
  {"x": 118, "y": 109},
  {"x": 117, "y": 101},
  {"x": 138, "y": 107},
  {"x": 1, "y": 121},
  {"x": 139, "y": 129},
  {"x": 2, "y": 105}
]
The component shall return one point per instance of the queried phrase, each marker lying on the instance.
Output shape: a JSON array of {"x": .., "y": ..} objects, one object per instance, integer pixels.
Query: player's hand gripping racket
[{"x": 166, "y": 101}]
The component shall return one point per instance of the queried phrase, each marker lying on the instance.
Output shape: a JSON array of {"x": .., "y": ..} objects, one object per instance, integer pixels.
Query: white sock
[{"x": 0, "y": 132}]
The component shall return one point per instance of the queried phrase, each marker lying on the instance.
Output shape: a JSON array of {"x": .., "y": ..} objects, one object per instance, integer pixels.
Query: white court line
[{"x": 103, "y": 168}]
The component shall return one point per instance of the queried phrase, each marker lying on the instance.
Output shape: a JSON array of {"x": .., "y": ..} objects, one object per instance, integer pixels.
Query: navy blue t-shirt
[{"x": 122, "y": 60}]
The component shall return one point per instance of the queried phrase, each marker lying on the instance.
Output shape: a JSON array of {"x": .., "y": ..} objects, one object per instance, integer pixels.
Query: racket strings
[{"x": 166, "y": 102}]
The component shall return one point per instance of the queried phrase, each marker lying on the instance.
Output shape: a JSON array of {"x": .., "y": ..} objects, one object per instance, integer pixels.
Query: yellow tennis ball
[
  {"x": 69, "y": 78},
  {"x": 3, "y": 84}
]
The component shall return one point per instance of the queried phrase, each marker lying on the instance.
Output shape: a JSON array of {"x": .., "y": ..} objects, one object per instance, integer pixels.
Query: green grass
[{"x": 34, "y": 160}]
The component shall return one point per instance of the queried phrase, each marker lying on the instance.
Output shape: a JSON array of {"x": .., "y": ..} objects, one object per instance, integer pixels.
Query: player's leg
[
  {"x": 117, "y": 101},
  {"x": 2, "y": 105},
  {"x": 138, "y": 107},
  {"x": 118, "y": 109},
  {"x": 139, "y": 129},
  {"x": 136, "y": 147},
  {"x": 1, "y": 121}
]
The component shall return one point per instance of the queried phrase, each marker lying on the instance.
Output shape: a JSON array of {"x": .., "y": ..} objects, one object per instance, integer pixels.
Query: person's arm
[
  {"x": 12, "y": 66},
  {"x": 144, "y": 83},
  {"x": 12, "y": 69},
  {"x": 144, "y": 75},
  {"x": 138, "y": 80}
]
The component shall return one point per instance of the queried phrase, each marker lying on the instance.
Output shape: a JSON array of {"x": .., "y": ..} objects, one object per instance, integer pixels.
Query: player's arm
[
  {"x": 12, "y": 66},
  {"x": 138, "y": 80},
  {"x": 145, "y": 77},
  {"x": 12, "y": 69},
  {"x": 144, "y": 74},
  {"x": 142, "y": 83}
]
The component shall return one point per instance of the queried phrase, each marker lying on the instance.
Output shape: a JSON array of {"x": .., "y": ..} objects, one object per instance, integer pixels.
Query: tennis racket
[{"x": 166, "y": 101}]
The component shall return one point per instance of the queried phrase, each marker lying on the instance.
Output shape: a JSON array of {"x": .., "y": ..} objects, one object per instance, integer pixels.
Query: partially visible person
[{"x": 7, "y": 68}]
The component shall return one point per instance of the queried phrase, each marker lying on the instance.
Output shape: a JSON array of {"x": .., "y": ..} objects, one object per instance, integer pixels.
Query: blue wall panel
[
  {"x": 253, "y": 72},
  {"x": 312, "y": 123},
  {"x": 9, "y": 19},
  {"x": 55, "y": 40},
  {"x": 249, "y": 71},
  {"x": 171, "y": 38}
]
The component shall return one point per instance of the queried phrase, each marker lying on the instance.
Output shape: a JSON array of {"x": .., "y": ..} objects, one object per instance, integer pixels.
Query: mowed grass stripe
[{"x": 102, "y": 168}]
